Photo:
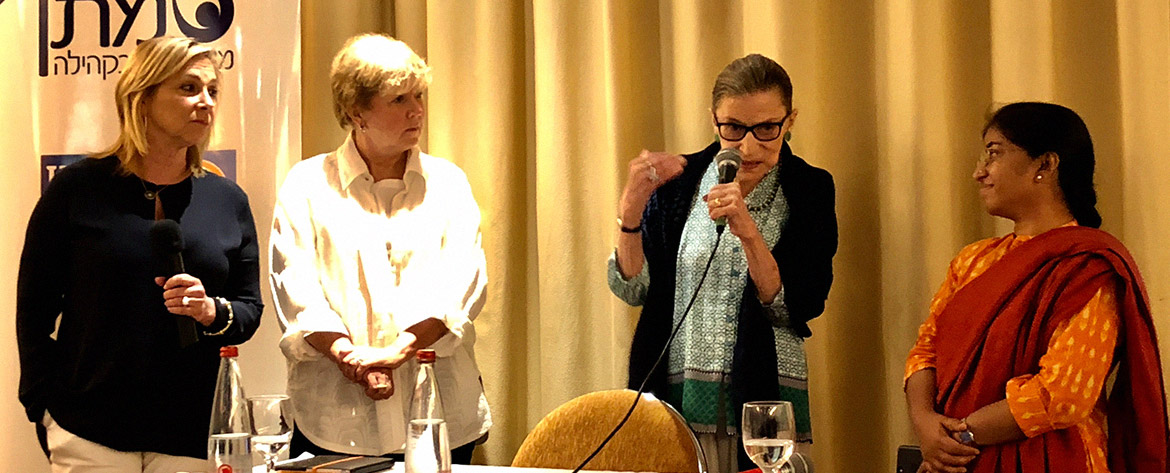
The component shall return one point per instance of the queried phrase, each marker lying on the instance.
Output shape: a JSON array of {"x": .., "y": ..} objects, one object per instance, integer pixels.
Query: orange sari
[{"x": 1037, "y": 321}]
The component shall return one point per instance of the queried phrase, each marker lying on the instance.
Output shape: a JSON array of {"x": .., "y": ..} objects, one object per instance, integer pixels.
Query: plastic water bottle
[
  {"x": 428, "y": 449},
  {"x": 229, "y": 442}
]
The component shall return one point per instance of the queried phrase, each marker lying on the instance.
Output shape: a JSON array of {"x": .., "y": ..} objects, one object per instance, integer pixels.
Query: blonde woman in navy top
[{"x": 115, "y": 389}]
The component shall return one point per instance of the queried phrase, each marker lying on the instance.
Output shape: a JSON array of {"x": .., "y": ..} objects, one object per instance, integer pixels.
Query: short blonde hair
[
  {"x": 370, "y": 65},
  {"x": 152, "y": 63}
]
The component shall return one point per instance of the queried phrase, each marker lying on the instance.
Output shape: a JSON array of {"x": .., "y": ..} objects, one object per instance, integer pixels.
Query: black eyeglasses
[{"x": 765, "y": 131}]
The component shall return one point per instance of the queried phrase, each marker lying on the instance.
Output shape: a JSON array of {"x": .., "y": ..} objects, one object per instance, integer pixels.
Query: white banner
[
  {"x": 83, "y": 45},
  {"x": 59, "y": 62}
]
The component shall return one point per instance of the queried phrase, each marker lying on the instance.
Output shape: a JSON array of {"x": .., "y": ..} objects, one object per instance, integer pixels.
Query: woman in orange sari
[{"x": 1009, "y": 372}]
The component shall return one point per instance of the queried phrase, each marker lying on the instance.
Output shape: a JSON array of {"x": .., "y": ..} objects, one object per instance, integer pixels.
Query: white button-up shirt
[{"x": 369, "y": 260}]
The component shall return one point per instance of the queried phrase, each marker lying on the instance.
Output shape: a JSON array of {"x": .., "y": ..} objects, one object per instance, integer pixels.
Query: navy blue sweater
[{"x": 115, "y": 374}]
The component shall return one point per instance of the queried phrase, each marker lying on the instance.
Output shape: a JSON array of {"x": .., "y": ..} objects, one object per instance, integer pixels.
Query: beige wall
[{"x": 545, "y": 102}]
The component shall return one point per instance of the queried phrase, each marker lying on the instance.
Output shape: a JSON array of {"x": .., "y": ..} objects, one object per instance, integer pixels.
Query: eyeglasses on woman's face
[
  {"x": 994, "y": 152},
  {"x": 765, "y": 131}
]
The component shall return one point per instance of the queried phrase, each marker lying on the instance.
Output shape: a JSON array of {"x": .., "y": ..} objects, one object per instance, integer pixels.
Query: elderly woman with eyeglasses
[{"x": 742, "y": 340}]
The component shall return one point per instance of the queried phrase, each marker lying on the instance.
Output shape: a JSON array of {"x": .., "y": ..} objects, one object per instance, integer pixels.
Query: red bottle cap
[
  {"x": 229, "y": 352},
  {"x": 426, "y": 356}
]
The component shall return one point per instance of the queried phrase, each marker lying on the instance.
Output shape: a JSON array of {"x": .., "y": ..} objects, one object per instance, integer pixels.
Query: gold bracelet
[{"x": 231, "y": 317}]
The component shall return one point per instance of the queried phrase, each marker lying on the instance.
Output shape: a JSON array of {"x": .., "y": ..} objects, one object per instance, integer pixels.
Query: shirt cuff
[
  {"x": 446, "y": 345},
  {"x": 1027, "y": 406},
  {"x": 777, "y": 310},
  {"x": 293, "y": 343},
  {"x": 632, "y": 291},
  {"x": 310, "y": 321},
  {"x": 914, "y": 367}
]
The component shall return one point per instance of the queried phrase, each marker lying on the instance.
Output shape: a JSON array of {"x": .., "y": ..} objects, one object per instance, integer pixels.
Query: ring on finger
[
  {"x": 186, "y": 301},
  {"x": 718, "y": 203}
]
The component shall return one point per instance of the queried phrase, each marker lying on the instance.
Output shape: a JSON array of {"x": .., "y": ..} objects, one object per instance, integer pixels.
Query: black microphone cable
[{"x": 665, "y": 349}]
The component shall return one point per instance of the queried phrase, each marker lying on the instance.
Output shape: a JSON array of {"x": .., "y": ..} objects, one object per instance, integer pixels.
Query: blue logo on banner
[
  {"x": 221, "y": 162},
  {"x": 51, "y": 163},
  {"x": 212, "y": 20}
]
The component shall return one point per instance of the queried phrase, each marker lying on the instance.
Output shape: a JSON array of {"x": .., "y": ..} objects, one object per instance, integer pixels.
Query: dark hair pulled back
[
  {"x": 1040, "y": 128},
  {"x": 751, "y": 74}
]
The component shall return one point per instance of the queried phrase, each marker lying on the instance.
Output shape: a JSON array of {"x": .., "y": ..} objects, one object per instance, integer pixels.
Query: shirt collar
[
  {"x": 351, "y": 166},
  {"x": 414, "y": 167}
]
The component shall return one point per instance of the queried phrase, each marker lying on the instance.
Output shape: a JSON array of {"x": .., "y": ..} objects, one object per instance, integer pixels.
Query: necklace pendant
[{"x": 149, "y": 195}]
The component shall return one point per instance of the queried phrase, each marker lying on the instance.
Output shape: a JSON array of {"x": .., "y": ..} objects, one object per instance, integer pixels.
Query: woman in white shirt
[{"x": 375, "y": 254}]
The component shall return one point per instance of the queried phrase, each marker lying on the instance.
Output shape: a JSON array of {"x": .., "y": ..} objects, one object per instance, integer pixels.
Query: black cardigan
[
  {"x": 804, "y": 255},
  {"x": 115, "y": 374}
]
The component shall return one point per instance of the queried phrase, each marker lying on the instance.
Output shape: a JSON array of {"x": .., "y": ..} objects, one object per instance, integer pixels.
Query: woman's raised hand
[{"x": 648, "y": 171}]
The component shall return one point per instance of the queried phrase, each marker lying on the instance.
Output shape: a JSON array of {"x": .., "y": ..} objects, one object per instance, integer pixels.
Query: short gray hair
[{"x": 370, "y": 65}]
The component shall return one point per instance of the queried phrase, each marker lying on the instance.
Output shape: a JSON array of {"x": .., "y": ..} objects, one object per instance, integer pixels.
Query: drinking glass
[
  {"x": 271, "y": 425},
  {"x": 769, "y": 433}
]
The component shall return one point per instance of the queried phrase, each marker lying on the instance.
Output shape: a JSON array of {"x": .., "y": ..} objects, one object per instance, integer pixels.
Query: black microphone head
[
  {"x": 166, "y": 238},
  {"x": 727, "y": 162}
]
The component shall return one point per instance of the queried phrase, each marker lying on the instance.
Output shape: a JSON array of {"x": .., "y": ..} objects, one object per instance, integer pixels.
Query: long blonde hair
[{"x": 152, "y": 62}]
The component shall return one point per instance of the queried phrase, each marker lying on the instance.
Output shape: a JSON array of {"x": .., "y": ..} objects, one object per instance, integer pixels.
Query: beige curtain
[{"x": 544, "y": 102}]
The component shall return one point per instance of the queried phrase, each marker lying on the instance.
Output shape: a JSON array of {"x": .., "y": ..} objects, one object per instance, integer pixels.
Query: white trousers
[{"x": 69, "y": 453}]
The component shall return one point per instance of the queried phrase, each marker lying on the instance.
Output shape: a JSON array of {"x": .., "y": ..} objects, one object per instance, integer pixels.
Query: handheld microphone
[
  {"x": 727, "y": 163},
  {"x": 166, "y": 248}
]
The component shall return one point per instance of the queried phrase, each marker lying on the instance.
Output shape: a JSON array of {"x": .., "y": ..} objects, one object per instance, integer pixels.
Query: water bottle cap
[
  {"x": 229, "y": 352},
  {"x": 426, "y": 356}
]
